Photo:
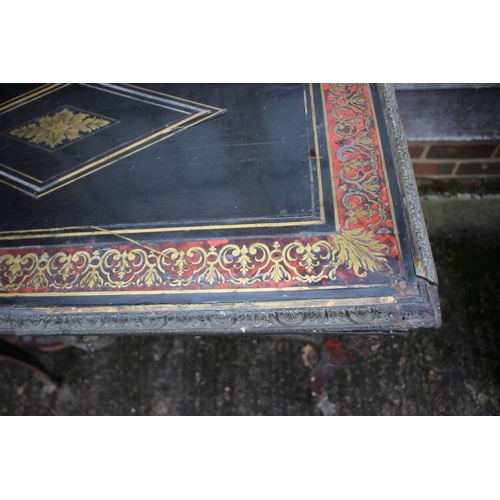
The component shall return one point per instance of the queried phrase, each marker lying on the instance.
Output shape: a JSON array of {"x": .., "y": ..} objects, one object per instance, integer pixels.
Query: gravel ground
[{"x": 451, "y": 371}]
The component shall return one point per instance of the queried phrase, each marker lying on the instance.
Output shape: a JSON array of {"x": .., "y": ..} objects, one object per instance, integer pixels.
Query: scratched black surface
[{"x": 251, "y": 164}]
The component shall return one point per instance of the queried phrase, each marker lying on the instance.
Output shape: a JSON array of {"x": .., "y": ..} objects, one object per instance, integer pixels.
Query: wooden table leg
[{"x": 339, "y": 351}]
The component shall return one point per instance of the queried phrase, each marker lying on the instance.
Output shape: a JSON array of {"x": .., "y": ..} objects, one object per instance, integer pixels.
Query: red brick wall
[{"x": 464, "y": 163}]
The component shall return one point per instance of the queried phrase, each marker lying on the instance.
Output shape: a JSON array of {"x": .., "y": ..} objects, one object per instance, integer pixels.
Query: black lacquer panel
[{"x": 249, "y": 157}]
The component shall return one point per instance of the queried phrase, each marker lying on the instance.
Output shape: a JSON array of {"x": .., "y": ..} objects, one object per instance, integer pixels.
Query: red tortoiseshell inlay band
[{"x": 357, "y": 167}]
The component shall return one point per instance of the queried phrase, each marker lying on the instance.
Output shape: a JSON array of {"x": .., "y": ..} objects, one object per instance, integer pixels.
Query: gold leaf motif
[
  {"x": 38, "y": 277},
  {"x": 150, "y": 278},
  {"x": 64, "y": 125},
  {"x": 360, "y": 251},
  {"x": 15, "y": 269},
  {"x": 180, "y": 263},
  {"x": 92, "y": 278},
  {"x": 212, "y": 276},
  {"x": 244, "y": 260},
  {"x": 277, "y": 273},
  {"x": 67, "y": 263}
]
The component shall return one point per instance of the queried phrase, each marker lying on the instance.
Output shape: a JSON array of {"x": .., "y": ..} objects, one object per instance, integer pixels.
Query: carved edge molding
[
  {"x": 388, "y": 318},
  {"x": 424, "y": 261},
  {"x": 309, "y": 320}
]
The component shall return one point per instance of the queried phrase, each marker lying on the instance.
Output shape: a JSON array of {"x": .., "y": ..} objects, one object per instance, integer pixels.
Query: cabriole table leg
[{"x": 339, "y": 351}]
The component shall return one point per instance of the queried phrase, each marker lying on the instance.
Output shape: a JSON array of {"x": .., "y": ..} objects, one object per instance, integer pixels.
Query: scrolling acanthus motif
[
  {"x": 58, "y": 128},
  {"x": 229, "y": 265},
  {"x": 356, "y": 157}
]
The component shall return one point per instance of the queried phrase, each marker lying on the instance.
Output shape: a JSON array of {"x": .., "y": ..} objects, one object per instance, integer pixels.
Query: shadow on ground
[{"x": 452, "y": 371}]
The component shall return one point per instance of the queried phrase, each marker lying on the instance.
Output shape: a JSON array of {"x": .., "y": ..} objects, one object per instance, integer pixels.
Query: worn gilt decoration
[
  {"x": 59, "y": 128},
  {"x": 217, "y": 265}
]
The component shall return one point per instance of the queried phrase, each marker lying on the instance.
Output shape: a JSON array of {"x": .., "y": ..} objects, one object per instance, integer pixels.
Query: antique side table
[{"x": 241, "y": 209}]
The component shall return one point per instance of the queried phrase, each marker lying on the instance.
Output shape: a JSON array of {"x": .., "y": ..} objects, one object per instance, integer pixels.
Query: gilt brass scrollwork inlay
[
  {"x": 259, "y": 264},
  {"x": 356, "y": 156}
]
